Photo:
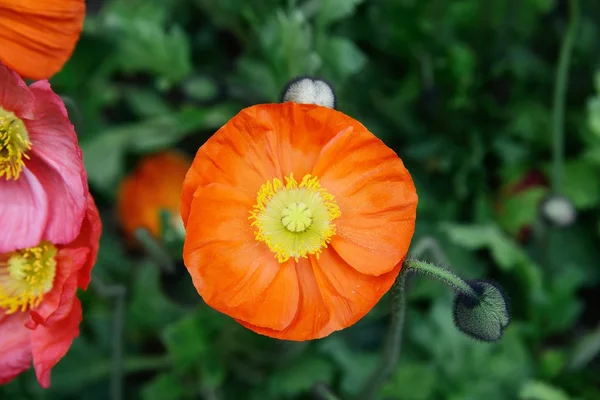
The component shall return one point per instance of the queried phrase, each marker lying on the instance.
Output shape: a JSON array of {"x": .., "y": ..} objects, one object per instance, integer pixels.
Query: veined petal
[
  {"x": 348, "y": 294},
  {"x": 15, "y": 349},
  {"x": 57, "y": 162},
  {"x": 377, "y": 199},
  {"x": 233, "y": 272},
  {"x": 311, "y": 319},
  {"x": 23, "y": 212},
  {"x": 38, "y": 37},
  {"x": 50, "y": 344}
]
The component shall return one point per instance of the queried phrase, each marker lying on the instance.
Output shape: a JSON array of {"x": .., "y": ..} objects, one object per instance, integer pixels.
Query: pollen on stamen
[
  {"x": 26, "y": 277},
  {"x": 14, "y": 144},
  {"x": 294, "y": 219}
]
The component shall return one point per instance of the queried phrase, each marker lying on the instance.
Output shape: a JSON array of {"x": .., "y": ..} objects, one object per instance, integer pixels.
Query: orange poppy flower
[
  {"x": 298, "y": 220},
  {"x": 38, "y": 37},
  {"x": 153, "y": 186}
]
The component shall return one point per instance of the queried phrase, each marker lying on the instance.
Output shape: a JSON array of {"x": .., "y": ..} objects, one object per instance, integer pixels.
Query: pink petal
[
  {"x": 14, "y": 94},
  {"x": 57, "y": 303},
  {"x": 61, "y": 171},
  {"x": 23, "y": 212},
  {"x": 15, "y": 350},
  {"x": 50, "y": 344}
]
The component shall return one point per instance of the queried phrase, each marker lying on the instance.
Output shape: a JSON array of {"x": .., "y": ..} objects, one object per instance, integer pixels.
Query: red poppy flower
[
  {"x": 38, "y": 37},
  {"x": 39, "y": 310},
  {"x": 153, "y": 186},
  {"x": 43, "y": 184},
  {"x": 298, "y": 220}
]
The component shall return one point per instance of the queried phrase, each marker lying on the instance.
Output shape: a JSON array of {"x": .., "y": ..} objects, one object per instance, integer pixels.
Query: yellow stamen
[
  {"x": 14, "y": 143},
  {"x": 26, "y": 277},
  {"x": 294, "y": 220}
]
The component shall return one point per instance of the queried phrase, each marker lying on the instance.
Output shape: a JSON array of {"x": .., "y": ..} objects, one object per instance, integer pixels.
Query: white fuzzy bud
[
  {"x": 309, "y": 91},
  {"x": 559, "y": 211}
]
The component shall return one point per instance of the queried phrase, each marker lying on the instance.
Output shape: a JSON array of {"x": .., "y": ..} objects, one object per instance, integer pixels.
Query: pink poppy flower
[
  {"x": 43, "y": 184},
  {"x": 39, "y": 309}
]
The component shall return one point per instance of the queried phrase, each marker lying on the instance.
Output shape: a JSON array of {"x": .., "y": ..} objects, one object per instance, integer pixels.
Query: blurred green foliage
[{"x": 460, "y": 89}]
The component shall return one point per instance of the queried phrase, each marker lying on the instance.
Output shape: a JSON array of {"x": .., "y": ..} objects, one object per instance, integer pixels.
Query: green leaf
[
  {"x": 104, "y": 154},
  {"x": 341, "y": 58},
  {"x": 534, "y": 390},
  {"x": 352, "y": 363},
  {"x": 187, "y": 341},
  {"x": 148, "y": 47},
  {"x": 401, "y": 384},
  {"x": 149, "y": 309},
  {"x": 521, "y": 209},
  {"x": 593, "y": 110},
  {"x": 586, "y": 349},
  {"x": 334, "y": 10},
  {"x": 581, "y": 184},
  {"x": 163, "y": 387},
  {"x": 505, "y": 251},
  {"x": 299, "y": 377},
  {"x": 146, "y": 103}
]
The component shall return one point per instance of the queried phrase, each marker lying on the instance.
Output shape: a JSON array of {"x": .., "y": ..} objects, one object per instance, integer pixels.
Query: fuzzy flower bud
[{"x": 305, "y": 90}]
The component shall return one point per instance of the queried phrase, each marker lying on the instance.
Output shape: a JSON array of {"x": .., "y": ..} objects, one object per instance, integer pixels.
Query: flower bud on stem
[{"x": 480, "y": 311}]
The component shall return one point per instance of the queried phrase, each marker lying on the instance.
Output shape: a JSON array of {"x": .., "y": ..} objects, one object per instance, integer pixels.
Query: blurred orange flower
[
  {"x": 37, "y": 37},
  {"x": 298, "y": 220},
  {"x": 153, "y": 186}
]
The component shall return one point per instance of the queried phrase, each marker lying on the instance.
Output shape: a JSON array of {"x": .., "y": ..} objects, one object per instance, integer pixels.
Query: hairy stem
[
  {"x": 446, "y": 276},
  {"x": 393, "y": 345}
]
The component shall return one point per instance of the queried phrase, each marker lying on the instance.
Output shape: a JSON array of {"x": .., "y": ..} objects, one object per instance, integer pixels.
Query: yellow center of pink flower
[
  {"x": 14, "y": 143},
  {"x": 26, "y": 276},
  {"x": 295, "y": 219}
]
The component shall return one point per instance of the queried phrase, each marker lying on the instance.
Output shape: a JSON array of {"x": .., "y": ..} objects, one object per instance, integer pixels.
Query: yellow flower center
[
  {"x": 26, "y": 277},
  {"x": 14, "y": 143},
  {"x": 295, "y": 219}
]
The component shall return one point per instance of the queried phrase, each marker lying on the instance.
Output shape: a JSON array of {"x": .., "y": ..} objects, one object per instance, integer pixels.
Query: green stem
[
  {"x": 154, "y": 249},
  {"x": 393, "y": 343},
  {"x": 449, "y": 278},
  {"x": 560, "y": 88},
  {"x": 117, "y": 293}
]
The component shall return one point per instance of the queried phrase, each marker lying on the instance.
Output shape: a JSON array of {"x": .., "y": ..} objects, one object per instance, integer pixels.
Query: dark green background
[{"x": 461, "y": 89}]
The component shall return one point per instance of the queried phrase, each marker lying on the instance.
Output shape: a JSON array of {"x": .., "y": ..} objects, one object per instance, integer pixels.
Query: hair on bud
[
  {"x": 484, "y": 317},
  {"x": 558, "y": 210},
  {"x": 307, "y": 90}
]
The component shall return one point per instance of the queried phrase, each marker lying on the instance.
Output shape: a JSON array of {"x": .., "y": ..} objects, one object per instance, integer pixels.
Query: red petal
[
  {"x": 50, "y": 344},
  {"x": 57, "y": 304},
  {"x": 14, "y": 94}
]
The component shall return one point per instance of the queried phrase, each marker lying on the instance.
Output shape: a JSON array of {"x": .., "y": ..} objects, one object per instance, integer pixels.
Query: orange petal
[
  {"x": 376, "y": 196},
  {"x": 38, "y": 37},
  {"x": 263, "y": 142},
  {"x": 348, "y": 294},
  {"x": 310, "y": 321},
  {"x": 233, "y": 272}
]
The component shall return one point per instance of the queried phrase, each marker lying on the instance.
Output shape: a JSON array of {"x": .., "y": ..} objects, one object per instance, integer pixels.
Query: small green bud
[{"x": 484, "y": 317}]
